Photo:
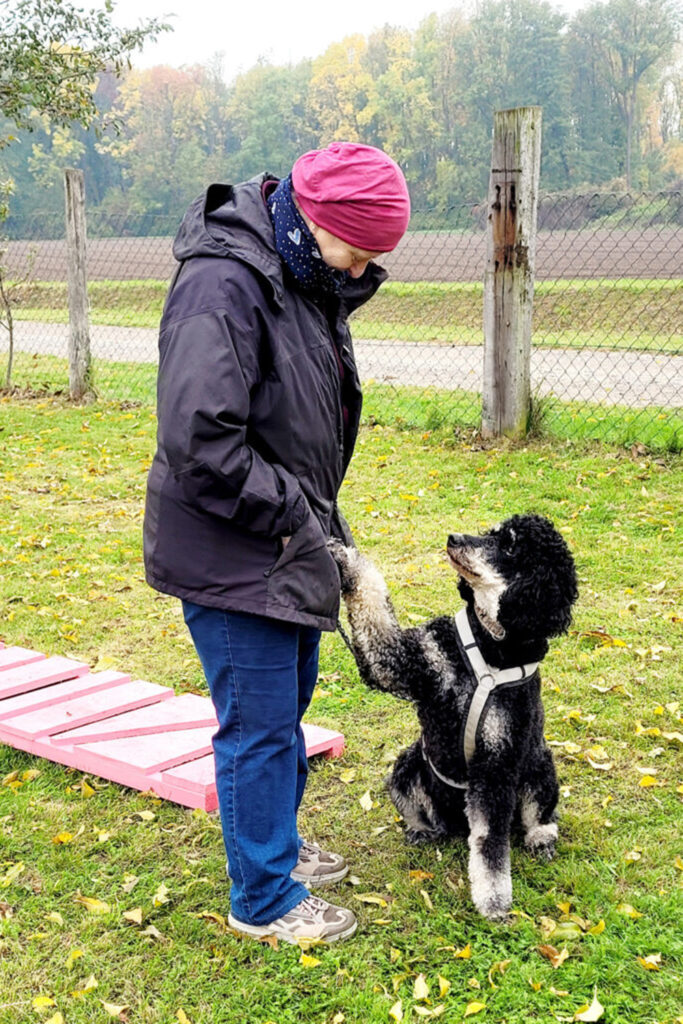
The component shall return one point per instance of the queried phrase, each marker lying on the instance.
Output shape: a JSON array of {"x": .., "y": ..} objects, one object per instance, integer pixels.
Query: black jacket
[{"x": 258, "y": 403}]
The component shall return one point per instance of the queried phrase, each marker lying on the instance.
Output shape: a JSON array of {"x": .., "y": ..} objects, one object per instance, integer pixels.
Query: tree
[
  {"x": 626, "y": 40},
  {"x": 51, "y": 53}
]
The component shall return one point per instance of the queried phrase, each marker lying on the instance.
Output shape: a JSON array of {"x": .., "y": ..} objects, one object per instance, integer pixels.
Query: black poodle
[{"x": 481, "y": 762}]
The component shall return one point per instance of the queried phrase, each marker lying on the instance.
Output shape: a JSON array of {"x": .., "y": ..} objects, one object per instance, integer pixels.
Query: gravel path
[{"x": 634, "y": 379}]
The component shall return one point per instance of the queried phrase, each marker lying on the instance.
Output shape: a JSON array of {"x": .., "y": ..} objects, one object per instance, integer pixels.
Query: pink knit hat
[{"x": 355, "y": 192}]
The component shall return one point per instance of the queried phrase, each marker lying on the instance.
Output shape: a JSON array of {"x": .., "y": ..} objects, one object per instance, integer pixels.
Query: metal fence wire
[{"x": 607, "y": 358}]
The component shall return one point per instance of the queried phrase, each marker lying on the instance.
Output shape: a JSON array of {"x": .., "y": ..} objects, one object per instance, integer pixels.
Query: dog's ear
[{"x": 538, "y": 601}]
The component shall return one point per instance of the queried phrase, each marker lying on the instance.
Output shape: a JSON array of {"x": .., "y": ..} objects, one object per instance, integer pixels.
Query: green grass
[
  {"x": 641, "y": 315},
  {"x": 72, "y": 495},
  {"x": 389, "y": 405}
]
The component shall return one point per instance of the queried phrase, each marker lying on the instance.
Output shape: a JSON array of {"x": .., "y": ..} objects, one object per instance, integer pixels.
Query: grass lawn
[
  {"x": 640, "y": 315},
  {"x": 71, "y": 504}
]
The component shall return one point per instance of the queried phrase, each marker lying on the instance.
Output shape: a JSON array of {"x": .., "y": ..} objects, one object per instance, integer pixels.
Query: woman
[{"x": 258, "y": 408}]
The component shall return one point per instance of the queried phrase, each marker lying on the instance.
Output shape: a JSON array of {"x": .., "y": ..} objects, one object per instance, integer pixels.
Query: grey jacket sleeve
[{"x": 207, "y": 368}]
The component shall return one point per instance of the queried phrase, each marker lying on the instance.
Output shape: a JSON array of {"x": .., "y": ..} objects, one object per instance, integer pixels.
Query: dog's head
[{"x": 519, "y": 577}]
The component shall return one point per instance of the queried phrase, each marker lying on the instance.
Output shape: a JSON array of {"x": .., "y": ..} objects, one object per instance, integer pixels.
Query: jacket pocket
[{"x": 305, "y": 577}]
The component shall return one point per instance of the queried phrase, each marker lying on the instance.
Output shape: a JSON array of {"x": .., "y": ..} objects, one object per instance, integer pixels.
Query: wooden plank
[
  {"x": 81, "y": 710},
  {"x": 187, "y": 711},
  {"x": 37, "y": 674},
  {"x": 56, "y": 693},
  {"x": 152, "y": 753},
  {"x": 12, "y": 657}
]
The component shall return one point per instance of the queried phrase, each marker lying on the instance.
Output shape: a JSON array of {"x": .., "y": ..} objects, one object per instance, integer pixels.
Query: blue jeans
[{"x": 261, "y": 674}]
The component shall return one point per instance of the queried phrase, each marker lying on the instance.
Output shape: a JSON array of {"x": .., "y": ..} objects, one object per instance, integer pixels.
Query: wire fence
[{"x": 607, "y": 359}]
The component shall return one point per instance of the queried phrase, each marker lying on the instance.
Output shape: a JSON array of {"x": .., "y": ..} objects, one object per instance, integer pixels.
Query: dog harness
[{"x": 488, "y": 679}]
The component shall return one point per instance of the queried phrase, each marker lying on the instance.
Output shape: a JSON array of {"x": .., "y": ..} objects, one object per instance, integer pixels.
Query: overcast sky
[{"x": 281, "y": 31}]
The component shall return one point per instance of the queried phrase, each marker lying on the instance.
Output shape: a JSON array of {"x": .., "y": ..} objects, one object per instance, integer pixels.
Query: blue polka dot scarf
[{"x": 297, "y": 246}]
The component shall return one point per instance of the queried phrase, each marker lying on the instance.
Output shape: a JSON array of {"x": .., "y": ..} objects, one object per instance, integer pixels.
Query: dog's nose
[{"x": 454, "y": 539}]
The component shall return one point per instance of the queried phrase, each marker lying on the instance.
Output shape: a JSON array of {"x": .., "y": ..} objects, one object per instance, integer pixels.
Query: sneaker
[
  {"x": 316, "y": 867},
  {"x": 312, "y": 919}
]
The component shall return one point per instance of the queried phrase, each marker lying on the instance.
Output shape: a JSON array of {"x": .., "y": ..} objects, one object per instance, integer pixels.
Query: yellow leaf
[
  {"x": 436, "y": 1011},
  {"x": 366, "y": 801},
  {"x": 463, "y": 954},
  {"x": 558, "y": 991},
  {"x": 146, "y": 816},
  {"x": 565, "y": 907},
  {"x": 648, "y": 780},
  {"x": 419, "y": 876},
  {"x": 62, "y": 838},
  {"x": 160, "y": 896},
  {"x": 308, "y": 961},
  {"x": 92, "y": 904},
  {"x": 182, "y": 1017},
  {"x": 626, "y": 908},
  {"x": 473, "y": 1008},
  {"x": 536, "y": 985},
  {"x": 112, "y": 1009},
  {"x": 12, "y": 874},
  {"x": 394, "y": 954},
  {"x": 651, "y": 962},
  {"x": 679, "y": 863},
  {"x": 425, "y": 896},
  {"x": 604, "y": 766},
  {"x": 347, "y": 775},
  {"x": 499, "y": 967},
  {"x": 598, "y": 928},
  {"x": 42, "y": 1002},
  {"x": 632, "y": 855},
  {"x": 56, "y": 917},
  {"x": 89, "y": 985},
  {"x": 590, "y": 1013},
  {"x": 56, "y": 1018},
  {"x": 396, "y": 1011},
  {"x": 673, "y": 737},
  {"x": 555, "y": 957},
  {"x": 370, "y": 897},
  {"x": 30, "y": 775},
  {"x": 134, "y": 916},
  {"x": 474, "y": 983},
  {"x": 444, "y": 986},
  {"x": 420, "y": 988},
  {"x": 74, "y": 955}
]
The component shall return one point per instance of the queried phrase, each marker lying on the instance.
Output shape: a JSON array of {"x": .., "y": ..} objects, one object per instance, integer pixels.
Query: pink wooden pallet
[{"x": 130, "y": 731}]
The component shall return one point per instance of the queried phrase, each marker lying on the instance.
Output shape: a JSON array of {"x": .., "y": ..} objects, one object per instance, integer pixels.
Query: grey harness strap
[{"x": 488, "y": 679}]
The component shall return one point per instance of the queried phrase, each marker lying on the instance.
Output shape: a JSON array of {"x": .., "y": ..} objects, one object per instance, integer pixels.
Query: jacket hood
[{"x": 232, "y": 221}]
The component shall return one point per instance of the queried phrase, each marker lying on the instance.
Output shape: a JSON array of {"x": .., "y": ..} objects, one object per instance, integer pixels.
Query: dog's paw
[
  {"x": 540, "y": 841},
  {"x": 492, "y": 894},
  {"x": 348, "y": 563},
  {"x": 494, "y": 908}
]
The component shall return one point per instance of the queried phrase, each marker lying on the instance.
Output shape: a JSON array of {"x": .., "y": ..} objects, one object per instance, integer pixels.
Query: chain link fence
[{"x": 607, "y": 359}]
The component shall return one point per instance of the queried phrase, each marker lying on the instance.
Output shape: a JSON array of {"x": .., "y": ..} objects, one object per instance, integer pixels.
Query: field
[
  {"x": 635, "y": 314},
  {"x": 610, "y": 904}
]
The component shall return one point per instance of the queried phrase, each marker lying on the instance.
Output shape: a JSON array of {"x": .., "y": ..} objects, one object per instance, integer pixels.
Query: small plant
[{"x": 10, "y": 289}]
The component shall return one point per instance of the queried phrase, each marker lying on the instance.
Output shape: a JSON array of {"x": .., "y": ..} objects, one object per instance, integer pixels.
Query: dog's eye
[{"x": 507, "y": 542}]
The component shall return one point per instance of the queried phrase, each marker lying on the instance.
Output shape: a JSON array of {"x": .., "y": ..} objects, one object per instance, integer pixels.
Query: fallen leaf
[
  {"x": 370, "y": 897},
  {"x": 88, "y": 986},
  {"x": 92, "y": 904},
  {"x": 647, "y": 781},
  {"x": 56, "y": 1018},
  {"x": 366, "y": 801},
  {"x": 308, "y": 961},
  {"x": 590, "y": 1013},
  {"x": 153, "y": 932},
  {"x": 474, "y": 983},
  {"x": 555, "y": 956},
  {"x": 55, "y": 916},
  {"x": 601, "y": 766},
  {"x": 73, "y": 956},
  {"x": 42, "y": 1002},
  {"x": 598, "y": 928},
  {"x": 499, "y": 967},
  {"x": 182, "y": 1017},
  {"x": 134, "y": 916},
  {"x": 651, "y": 962},
  {"x": 673, "y": 737},
  {"x": 536, "y": 985},
  {"x": 424, "y": 1011},
  {"x": 160, "y": 896},
  {"x": 463, "y": 954},
  {"x": 396, "y": 1011},
  {"x": 420, "y": 988},
  {"x": 347, "y": 775},
  {"x": 425, "y": 896},
  {"x": 558, "y": 991},
  {"x": 144, "y": 816},
  {"x": 473, "y": 1008},
  {"x": 629, "y": 911},
  {"x": 631, "y": 856},
  {"x": 113, "y": 1009},
  {"x": 419, "y": 876},
  {"x": 444, "y": 986}
]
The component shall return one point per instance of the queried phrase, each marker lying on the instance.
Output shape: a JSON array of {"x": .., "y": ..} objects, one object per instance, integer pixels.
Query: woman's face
[{"x": 338, "y": 254}]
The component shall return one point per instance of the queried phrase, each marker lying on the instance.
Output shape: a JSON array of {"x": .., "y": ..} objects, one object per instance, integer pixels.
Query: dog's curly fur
[{"x": 519, "y": 584}]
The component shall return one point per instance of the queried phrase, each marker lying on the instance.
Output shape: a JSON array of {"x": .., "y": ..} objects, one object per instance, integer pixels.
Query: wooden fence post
[
  {"x": 80, "y": 371},
  {"x": 509, "y": 277}
]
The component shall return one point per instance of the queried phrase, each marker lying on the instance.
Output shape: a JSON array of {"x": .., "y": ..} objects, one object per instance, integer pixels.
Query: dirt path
[{"x": 634, "y": 379}]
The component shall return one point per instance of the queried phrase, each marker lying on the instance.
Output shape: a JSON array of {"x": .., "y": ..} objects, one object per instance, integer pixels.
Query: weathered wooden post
[
  {"x": 509, "y": 277},
  {"x": 80, "y": 371}
]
